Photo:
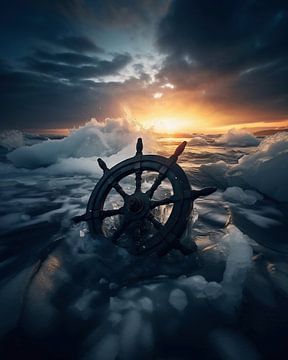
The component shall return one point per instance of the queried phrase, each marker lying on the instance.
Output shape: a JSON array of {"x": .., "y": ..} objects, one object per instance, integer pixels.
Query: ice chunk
[
  {"x": 178, "y": 299},
  {"x": 106, "y": 349},
  {"x": 264, "y": 170},
  {"x": 146, "y": 304},
  {"x": 83, "y": 302},
  {"x": 236, "y": 194},
  {"x": 197, "y": 282},
  {"x": 238, "y": 263},
  {"x": 117, "y": 304},
  {"x": 213, "y": 290},
  {"x": 217, "y": 171},
  {"x": 236, "y": 137},
  {"x": 129, "y": 336}
]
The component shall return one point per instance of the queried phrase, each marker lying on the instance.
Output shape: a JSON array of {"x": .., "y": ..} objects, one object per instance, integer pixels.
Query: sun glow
[{"x": 168, "y": 125}]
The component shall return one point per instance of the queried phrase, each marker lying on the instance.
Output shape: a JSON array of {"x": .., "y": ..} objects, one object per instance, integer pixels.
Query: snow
[{"x": 241, "y": 138}]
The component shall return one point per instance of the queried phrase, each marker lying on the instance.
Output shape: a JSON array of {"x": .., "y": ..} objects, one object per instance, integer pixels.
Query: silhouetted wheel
[{"x": 138, "y": 223}]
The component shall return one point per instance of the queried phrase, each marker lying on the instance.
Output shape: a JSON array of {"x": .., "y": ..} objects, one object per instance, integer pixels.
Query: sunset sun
[{"x": 166, "y": 124}]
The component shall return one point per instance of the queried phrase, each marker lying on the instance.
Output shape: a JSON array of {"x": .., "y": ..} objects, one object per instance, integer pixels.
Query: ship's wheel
[{"x": 136, "y": 226}]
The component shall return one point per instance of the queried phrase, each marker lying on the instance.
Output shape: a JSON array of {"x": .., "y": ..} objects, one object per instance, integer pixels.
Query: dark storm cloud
[
  {"x": 239, "y": 45},
  {"x": 50, "y": 53},
  {"x": 75, "y": 66},
  {"x": 112, "y": 12},
  {"x": 53, "y": 94},
  {"x": 64, "y": 57},
  {"x": 79, "y": 44},
  {"x": 33, "y": 100}
]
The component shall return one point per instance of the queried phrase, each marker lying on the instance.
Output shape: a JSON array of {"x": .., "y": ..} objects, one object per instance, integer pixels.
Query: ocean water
[{"x": 64, "y": 295}]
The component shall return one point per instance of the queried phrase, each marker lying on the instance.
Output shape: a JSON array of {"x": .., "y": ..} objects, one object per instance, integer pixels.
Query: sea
[{"x": 67, "y": 295}]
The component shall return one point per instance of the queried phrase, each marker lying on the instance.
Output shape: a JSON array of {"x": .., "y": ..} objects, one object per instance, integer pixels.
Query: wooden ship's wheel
[{"x": 138, "y": 229}]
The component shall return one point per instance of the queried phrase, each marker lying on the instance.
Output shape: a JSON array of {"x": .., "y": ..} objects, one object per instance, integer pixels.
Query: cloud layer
[{"x": 67, "y": 61}]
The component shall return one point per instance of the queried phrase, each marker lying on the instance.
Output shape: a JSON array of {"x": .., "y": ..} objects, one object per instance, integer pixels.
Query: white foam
[
  {"x": 265, "y": 169},
  {"x": 92, "y": 140},
  {"x": 239, "y": 138},
  {"x": 12, "y": 139},
  {"x": 198, "y": 141}
]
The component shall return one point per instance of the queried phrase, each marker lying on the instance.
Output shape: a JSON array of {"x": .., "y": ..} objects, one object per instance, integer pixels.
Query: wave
[
  {"x": 13, "y": 139},
  {"x": 198, "y": 141},
  {"x": 239, "y": 138},
  {"x": 91, "y": 140},
  {"x": 264, "y": 170}
]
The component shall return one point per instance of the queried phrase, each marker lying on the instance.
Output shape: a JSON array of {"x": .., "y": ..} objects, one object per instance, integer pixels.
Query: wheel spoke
[
  {"x": 155, "y": 185},
  {"x": 169, "y": 200},
  {"x": 107, "y": 213},
  {"x": 80, "y": 218},
  {"x": 120, "y": 190},
  {"x": 179, "y": 150},
  {"x": 155, "y": 222},
  {"x": 139, "y": 147},
  {"x": 163, "y": 171},
  {"x": 138, "y": 180}
]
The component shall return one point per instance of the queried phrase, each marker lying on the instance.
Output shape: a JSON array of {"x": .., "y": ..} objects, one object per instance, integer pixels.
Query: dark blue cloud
[
  {"x": 34, "y": 100},
  {"x": 234, "y": 50},
  {"x": 75, "y": 66},
  {"x": 237, "y": 48},
  {"x": 78, "y": 44}
]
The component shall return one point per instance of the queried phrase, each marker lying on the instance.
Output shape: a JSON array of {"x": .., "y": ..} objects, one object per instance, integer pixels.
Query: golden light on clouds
[
  {"x": 168, "y": 109},
  {"x": 157, "y": 95},
  {"x": 168, "y": 125}
]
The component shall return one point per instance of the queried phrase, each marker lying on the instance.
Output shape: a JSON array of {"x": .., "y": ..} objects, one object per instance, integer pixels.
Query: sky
[{"x": 175, "y": 65}]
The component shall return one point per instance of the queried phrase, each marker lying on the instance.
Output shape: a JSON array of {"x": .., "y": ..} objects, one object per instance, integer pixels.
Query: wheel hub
[{"x": 137, "y": 204}]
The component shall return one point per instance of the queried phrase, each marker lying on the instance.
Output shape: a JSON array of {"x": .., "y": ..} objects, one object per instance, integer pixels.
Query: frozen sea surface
[{"x": 64, "y": 295}]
